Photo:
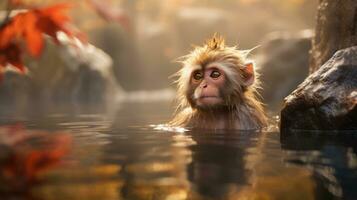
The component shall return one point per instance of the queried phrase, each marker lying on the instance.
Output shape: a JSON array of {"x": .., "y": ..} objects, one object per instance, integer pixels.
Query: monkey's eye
[
  {"x": 197, "y": 76},
  {"x": 215, "y": 74}
]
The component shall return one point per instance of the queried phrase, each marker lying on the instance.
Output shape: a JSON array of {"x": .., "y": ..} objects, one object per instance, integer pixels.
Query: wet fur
[{"x": 242, "y": 108}]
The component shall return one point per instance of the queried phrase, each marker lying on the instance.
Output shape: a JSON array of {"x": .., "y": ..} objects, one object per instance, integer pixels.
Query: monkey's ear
[{"x": 248, "y": 74}]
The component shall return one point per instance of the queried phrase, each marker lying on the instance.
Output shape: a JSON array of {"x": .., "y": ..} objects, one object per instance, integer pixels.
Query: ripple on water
[{"x": 112, "y": 160}]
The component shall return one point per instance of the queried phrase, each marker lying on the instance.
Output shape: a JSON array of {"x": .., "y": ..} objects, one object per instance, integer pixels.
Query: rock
[
  {"x": 283, "y": 62},
  {"x": 15, "y": 89},
  {"x": 327, "y": 99},
  {"x": 71, "y": 72},
  {"x": 89, "y": 73},
  {"x": 335, "y": 29}
]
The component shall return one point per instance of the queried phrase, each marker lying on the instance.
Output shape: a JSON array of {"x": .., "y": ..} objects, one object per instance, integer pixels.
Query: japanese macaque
[{"x": 217, "y": 89}]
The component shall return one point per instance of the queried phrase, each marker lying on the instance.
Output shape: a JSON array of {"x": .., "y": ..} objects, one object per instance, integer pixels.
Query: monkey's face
[{"x": 206, "y": 87}]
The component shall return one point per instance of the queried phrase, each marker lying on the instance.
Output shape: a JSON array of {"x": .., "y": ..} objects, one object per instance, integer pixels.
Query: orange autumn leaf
[
  {"x": 11, "y": 55},
  {"x": 54, "y": 19},
  {"x": 27, "y": 29}
]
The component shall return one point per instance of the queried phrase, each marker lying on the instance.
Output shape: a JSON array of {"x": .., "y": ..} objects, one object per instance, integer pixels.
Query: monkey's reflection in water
[
  {"x": 194, "y": 165},
  {"x": 218, "y": 165}
]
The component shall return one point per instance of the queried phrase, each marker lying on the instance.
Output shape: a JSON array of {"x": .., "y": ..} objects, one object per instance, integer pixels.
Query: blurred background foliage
[{"x": 144, "y": 37}]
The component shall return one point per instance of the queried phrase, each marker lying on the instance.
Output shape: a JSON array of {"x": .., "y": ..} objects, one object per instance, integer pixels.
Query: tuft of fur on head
[{"x": 232, "y": 62}]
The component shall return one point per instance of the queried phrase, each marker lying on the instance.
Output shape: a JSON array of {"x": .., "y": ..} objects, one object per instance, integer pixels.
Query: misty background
[{"x": 136, "y": 43}]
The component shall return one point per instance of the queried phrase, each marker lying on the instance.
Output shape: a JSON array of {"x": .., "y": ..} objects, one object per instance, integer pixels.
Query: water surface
[{"x": 117, "y": 155}]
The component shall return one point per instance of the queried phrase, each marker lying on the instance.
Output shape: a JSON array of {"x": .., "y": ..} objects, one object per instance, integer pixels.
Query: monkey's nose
[{"x": 204, "y": 85}]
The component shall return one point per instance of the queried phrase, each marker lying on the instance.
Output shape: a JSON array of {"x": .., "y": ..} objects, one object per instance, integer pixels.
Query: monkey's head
[{"x": 214, "y": 76}]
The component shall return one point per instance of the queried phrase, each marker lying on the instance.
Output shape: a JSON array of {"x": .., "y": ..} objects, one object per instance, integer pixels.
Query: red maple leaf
[
  {"x": 28, "y": 29},
  {"x": 11, "y": 54}
]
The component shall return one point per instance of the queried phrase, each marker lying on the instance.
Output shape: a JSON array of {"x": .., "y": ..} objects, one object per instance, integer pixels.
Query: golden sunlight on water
[{"x": 110, "y": 161}]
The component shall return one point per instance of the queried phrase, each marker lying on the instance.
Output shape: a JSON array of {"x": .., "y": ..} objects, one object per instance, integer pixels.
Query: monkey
[{"x": 217, "y": 89}]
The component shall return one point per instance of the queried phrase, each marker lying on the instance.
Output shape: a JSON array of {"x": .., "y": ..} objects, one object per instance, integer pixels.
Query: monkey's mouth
[
  {"x": 209, "y": 97},
  {"x": 208, "y": 100},
  {"x": 202, "y": 97}
]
